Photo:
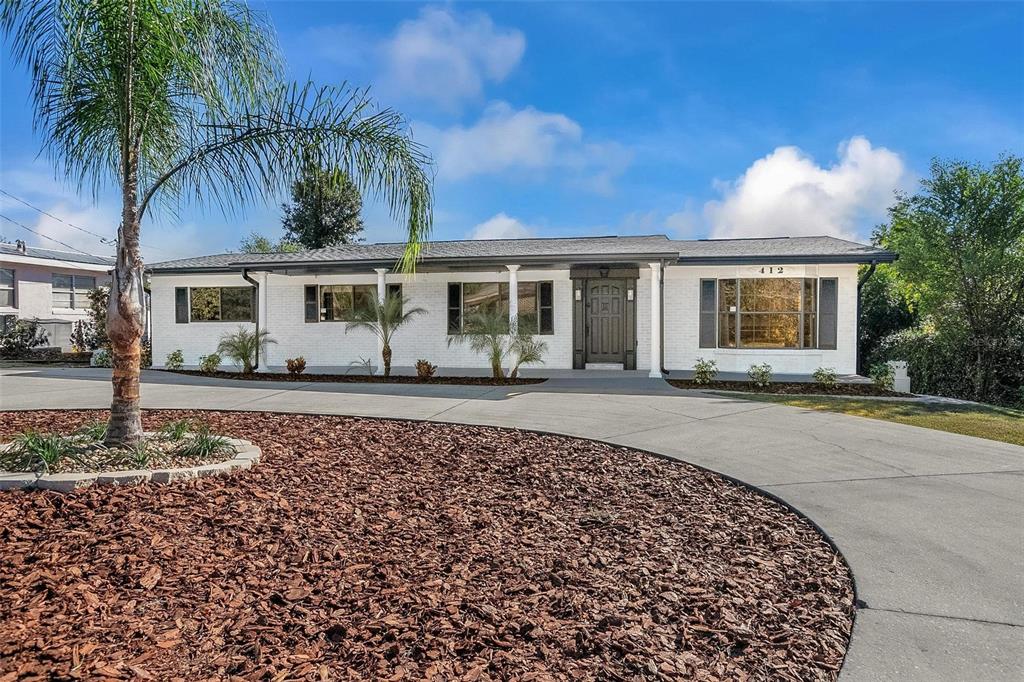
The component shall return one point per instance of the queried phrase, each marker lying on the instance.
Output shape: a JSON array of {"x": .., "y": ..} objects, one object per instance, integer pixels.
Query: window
[
  {"x": 6, "y": 288},
  {"x": 221, "y": 304},
  {"x": 339, "y": 302},
  {"x": 767, "y": 313},
  {"x": 70, "y": 291},
  {"x": 535, "y": 302}
]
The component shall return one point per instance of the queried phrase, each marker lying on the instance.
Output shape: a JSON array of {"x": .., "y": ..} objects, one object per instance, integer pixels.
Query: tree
[
  {"x": 961, "y": 247},
  {"x": 257, "y": 243},
  {"x": 243, "y": 347},
  {"x": 185, "y": 98},
  {"x": 488, "y": 332},
  {"x": 884, "y": 310},
  {"x": 384, "y": 319},
  {"x": 325, "y": 209}
]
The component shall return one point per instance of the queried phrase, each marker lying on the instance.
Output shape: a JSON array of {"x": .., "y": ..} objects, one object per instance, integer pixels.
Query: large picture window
[
  {"x": 767, "y": 313},
  {"x": 535, "y": 302},
  {"x": 221, "y": 304},
  {"x": 6, "y": 288},
  {"x": 70, "y": 291}
]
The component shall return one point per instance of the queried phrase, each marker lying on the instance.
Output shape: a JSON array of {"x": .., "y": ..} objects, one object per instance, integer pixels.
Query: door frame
[{"x": 580, "y": 277}]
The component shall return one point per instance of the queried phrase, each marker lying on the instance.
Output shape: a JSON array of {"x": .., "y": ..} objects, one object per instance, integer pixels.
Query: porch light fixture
[
  {"x": 629, "y": 294},
  {"x": 603, "y": 271}
]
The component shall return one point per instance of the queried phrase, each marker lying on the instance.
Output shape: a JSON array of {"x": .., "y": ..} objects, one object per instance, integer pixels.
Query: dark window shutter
[
  {"x": 312, "y": 304},
  {"x": 828, "y": 312},
  {"x": 708, "y": 312},
  {"x": 180, "y": 305},
  {"x": 546, "y": 304}
]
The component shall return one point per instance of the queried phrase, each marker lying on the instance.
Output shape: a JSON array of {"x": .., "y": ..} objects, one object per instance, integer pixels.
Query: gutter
[{"x": 256, "y": 285}]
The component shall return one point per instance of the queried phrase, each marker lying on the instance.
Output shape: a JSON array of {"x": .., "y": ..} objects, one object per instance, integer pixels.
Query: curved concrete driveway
[{"x": 931, "y": 523}]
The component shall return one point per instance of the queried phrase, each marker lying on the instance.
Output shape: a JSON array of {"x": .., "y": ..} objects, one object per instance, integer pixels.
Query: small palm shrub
[
  {"x": 704, "y": 371},
  {"x": 826, "y": 377},
  {"x": 760, "y": 375},
  {"x": 882, "y": 375},
  {"x": 34, "y": 451},
  {"x": 209, "y": 364},
  {"x": 526, "y": 350},
  {"x": 296, "y": 366},
  {"x": 425, "y": 370},
  {"x": 204, "y": 444},
  {"x": 384, "y": 319},
  {"x": 243, "y": 346},
  {"x": 175, "y": 360}
]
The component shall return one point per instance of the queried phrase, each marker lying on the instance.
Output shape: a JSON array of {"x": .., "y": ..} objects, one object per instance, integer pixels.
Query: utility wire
[
  {"x": 40, "y": 234},
  {"x": 103, "y": 239}
]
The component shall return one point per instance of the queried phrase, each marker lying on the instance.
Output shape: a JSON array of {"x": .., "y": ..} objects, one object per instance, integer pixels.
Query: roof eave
[{"x": 880, "y": 257}]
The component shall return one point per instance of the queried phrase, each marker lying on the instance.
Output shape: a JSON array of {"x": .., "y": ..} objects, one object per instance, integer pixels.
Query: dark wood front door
[{"x": 606, "y": 319}]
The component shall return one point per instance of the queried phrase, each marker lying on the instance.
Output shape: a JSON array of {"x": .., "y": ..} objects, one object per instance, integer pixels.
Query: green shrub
[
  {"x": 243, "y": 346},
  {"x": 760, "y": 375},
  {"x": 137, "y": 456},
  {"x": 882, "y": 375},
  {"x": 209, "y": 364},
  {"x": 34, "y": 451},
  {"x": 296, "y": 366},
  {"x": 23, "y": 336},
  {"x": 704, "y": 371},
  {"x": 101, "y": 358},
  {"x": 94, "y": 431},
  {"x": 204, "y": 444},
  {"x": 176, "y": 430},
  {"x": 175, "y": 360},
  {"x": 425, "y": 370},
  {"x": 826, "y": 377}
]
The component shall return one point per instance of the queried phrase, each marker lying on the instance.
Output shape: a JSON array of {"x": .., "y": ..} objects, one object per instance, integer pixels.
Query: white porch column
[
  {"x": 655, "y": 372},
  {"x": 261, "y": 318},
  {"x": 513, "y": 294},
  {"x": 382, "y": 287}
]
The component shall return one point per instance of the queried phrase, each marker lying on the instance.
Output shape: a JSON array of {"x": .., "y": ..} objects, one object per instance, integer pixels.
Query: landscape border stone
[{"x": 246, "y": 455}]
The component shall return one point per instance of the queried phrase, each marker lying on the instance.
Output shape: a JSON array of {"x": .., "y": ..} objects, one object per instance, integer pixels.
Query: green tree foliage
[
  {"x": 258, "y": 243},
  {"x": 325, "y": 210},
  {"x": 176, "y": 99},
  {"x": 884, "y": 310},
  {"x": 961, "y": 247}
]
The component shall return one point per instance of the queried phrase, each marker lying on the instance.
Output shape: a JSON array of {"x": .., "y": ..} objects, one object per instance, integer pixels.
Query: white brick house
[{"x": 646, "y": 303}]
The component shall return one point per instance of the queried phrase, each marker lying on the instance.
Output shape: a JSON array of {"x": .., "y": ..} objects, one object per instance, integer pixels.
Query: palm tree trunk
[
  {"x": 124, "y": 324},
  {"x": 385, "y": 354}
]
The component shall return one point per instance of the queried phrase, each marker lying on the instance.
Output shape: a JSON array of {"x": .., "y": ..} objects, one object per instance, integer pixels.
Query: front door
[{"x": 606, "y": 320}]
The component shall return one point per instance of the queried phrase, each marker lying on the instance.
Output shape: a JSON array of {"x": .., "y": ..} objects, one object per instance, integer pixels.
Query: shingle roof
[
  {"x": 613, "y": 247},
  {"x": 52, "y": 254}
]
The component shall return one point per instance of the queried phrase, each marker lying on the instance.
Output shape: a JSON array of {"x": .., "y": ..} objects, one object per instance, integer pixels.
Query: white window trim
[{"x": 13, "y": 288}]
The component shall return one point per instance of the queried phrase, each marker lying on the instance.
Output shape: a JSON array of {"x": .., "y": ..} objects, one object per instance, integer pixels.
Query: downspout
[
  {"x": 860, "y": 285},
  {"x": 256, "y": 321}
]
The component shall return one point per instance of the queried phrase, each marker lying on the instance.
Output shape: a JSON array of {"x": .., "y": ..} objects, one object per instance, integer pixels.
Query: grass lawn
[{"x": 983, "y": 421}]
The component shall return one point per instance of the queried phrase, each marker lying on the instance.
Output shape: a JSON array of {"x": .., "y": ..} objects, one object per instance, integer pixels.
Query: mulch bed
[
  {"x": 788, "y": 388},
  {"x": 370, "y": 549},
  {"x": 359, "y": 378}
]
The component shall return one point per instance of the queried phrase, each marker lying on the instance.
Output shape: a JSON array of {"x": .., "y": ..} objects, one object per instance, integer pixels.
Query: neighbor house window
[
  {"x": 6, "y": 288},
  {"x": 767, "y": 313},
  {"x": 535, "y": 301},
  {"x": 221, "y": 304},
  {"x": 71, "y": 291}
]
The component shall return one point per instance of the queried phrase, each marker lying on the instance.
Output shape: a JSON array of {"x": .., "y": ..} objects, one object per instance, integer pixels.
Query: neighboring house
[
  {"x": 646, "y": 303},
  {"x": 48, "y": 286}
]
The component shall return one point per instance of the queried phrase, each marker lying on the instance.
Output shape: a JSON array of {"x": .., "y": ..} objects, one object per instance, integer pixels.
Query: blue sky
[{"x": 694, "y": 120}]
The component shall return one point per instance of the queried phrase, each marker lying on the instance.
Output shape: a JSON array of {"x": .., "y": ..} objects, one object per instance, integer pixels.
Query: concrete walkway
[{"x": 931, "y": 523}]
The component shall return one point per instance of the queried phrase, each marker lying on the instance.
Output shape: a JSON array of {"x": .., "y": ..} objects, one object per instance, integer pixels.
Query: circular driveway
[{"x": 930, "y": 522}]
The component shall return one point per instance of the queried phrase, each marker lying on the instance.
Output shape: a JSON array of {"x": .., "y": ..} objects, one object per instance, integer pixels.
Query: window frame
[
  {"x": 220, "y": 305},
  {"x": 12, "y": 287},
  {"x": 321, "y": 309},
  {"x": 735, "y": 317},
  {"x": 73, "y": 291},
  {"x": 503, "y": 291}
]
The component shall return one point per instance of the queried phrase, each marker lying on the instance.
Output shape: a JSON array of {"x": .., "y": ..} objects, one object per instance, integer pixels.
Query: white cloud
[
  {"x": 501, "y": 226},
  {"x": 524, "y": 140},
  {"x": 787, "y": 193},
  {"x": 442, "y": 55}
]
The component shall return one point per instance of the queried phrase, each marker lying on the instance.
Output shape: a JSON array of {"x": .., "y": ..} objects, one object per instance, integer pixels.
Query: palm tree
[
  {"x": 186, "y": 99},
  {"x": 526, "y": 350},
  {"x": 384, "y": 319},
  {"x": 486, "y": 332},
  {"x": 243, "y": 347}
]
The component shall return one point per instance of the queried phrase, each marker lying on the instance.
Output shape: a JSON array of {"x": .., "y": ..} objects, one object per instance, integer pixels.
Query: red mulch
[
  {"x": 359, "y": 378},
  {"x": 788, "y": 388},
  {"x": 369, "y": 549}
]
